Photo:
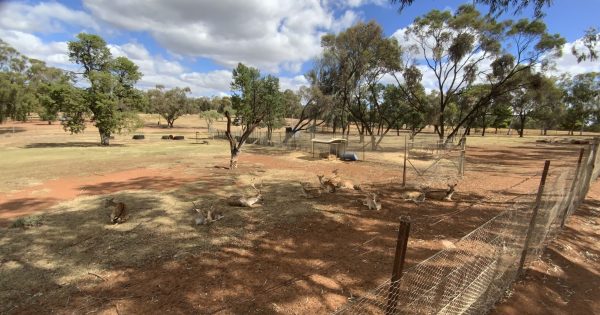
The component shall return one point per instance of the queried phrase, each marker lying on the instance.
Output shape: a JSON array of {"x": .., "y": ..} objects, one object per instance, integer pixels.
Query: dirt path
[{"x": 567, "y": 278}]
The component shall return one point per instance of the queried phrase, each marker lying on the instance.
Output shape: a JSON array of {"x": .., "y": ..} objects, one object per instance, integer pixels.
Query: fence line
[{"x": 473, "y": 276}]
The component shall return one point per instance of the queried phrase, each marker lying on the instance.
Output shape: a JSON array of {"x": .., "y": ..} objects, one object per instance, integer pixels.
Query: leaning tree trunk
[{"x": 104, "y": 136}]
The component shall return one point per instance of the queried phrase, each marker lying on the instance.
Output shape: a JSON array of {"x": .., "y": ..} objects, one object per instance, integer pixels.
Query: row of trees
[{"x": 479, "y": 72}]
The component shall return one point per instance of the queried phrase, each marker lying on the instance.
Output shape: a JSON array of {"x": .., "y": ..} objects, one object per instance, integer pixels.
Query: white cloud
[
  {"x": 293, "y": 83},
  {"x": 268, "y": 34},
  {"x": 46, "y": 17},
  {"x": 54, "y": 53},
  {"x": 567, "y": 63}
]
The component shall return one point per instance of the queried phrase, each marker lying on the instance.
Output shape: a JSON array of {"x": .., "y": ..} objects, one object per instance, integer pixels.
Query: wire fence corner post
[
  {"x": 400, "y": 255},
  {"x": 404, "y": 164},
  {"x": 570, "y": 201},
  {"x": 534, "y": 213}
]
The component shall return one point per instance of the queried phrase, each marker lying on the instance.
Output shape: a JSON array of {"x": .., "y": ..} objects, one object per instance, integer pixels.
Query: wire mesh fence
[
  {"x": 432, "y": 160},
  {"x": 473, "y": 275},
  {"x": 427, "y": 157}
]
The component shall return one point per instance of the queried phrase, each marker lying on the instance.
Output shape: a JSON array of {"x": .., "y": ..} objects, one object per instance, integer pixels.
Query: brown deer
[
  {"x": 242, "y": 201},
  {"x": 119, "y": 210},
  {"x": 310, "y": 192},
  {"x": 207, "y": 216}
]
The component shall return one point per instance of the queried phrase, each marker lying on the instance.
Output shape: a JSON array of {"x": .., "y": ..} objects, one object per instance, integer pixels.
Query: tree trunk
[
  {"x": 373, "y": 143},
  {"x": 545, "y": 131},
  {"x": 483, "y": 131},
  {"x": 234, "y": 158},
  {"x": 104, "y": 136},
  {"x": 522, "y": 127},
  {"x": 49, "y": 122}
]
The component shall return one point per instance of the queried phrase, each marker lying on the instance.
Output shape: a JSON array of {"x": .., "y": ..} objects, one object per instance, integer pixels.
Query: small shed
[{"x": 336, "y": 146}]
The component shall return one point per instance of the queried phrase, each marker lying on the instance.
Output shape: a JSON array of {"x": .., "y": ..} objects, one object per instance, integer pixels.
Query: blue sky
[{"x": 196, "y": 43}]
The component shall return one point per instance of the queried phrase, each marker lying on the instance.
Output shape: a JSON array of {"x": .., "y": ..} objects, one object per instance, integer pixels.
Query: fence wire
[{"x": 471, "y": 277}]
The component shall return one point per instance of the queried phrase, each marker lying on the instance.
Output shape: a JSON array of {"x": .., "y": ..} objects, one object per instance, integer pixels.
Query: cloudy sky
[{"x": 196, "y": 43}]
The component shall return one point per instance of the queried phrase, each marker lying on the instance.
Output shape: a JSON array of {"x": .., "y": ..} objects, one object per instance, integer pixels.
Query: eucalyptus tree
[
  {"x": 252, "y": 99},
  {"x": 170, "y": 104},
  {"x": 316, "y": 100},
  {"x": 111, "y": 94},
  {"x": 464, "y": 48},
  {"x": 13, "y": 67},
  {"x": 359, "y": 58},
  {"x": 582, "y": 97}
]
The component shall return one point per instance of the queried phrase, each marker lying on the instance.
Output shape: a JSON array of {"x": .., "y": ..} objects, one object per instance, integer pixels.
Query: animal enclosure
[{"x": 297, "y": 253}]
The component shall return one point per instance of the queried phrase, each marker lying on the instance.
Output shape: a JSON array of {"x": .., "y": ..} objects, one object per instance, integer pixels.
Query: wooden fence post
[
  {"x": 404, "y": 165},
  {"x": 401, "y": 245},
  {"x": 572, "y": 190},
  {"x": 536, "y": 207}
]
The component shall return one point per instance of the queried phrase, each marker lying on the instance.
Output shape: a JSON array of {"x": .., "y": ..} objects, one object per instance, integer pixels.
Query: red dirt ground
[
  {"x": 314, "y": 259},
  {"x": 567, "y": 278}
]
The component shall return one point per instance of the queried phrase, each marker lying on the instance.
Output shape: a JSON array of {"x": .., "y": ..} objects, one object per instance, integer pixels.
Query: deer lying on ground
[
  {"x": 330, "y": 184},
  {"x": 206, "y": 216},
  {"x": 119, "y": 210},
  {"x": 371, "y": 202},
  {"x": 242, "y": 201},
  {"x": 420, "y": 194},
  {"x": 326, "y": 184},
  {"x": 311, "y": 192}
]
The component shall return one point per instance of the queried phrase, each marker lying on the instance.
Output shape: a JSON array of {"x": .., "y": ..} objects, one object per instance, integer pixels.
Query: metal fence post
[
  {"x": 401, "y": 245},
  {"x": 572, "y": 190},
  {"x": 536, "y": 207},
  {"x": 404, "y": 165}
]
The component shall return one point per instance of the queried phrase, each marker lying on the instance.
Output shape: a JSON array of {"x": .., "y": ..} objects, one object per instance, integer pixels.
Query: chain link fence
[{"x": 473, "y": 275}]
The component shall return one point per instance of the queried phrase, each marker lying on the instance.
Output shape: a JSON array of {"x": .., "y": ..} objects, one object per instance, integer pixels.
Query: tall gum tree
[
  {"x": 465, "y": 48},
  {"x": 111, "y": 86}
]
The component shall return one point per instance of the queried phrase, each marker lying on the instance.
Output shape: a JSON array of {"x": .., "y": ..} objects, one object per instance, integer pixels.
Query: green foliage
[
  {"x": 582, "y": 94},
  {"x": 210, "y": 116},
  {"x": 589, "y": 51},
  {"x": 497, "y": 7},
  {"x": 255, "y": 98},
  {"x": 465, "y": 47},
  {"x": 111, "y": 93},
  {"x": 354, "y": 62},
  {"x": 170, "y": 104}
]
